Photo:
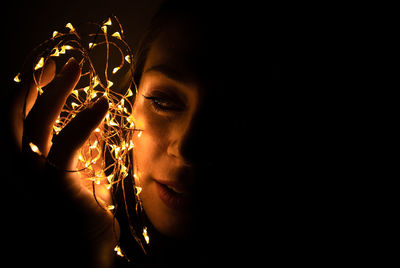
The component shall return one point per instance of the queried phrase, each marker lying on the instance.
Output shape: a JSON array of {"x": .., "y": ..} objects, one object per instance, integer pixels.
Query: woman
[{"x": 187, "y": 93}]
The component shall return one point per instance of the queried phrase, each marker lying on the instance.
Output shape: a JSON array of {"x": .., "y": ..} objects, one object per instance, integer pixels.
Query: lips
[{"x": 173, "y": 195}]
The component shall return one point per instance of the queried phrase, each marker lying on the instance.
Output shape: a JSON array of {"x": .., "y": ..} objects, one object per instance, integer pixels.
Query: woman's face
[{"x": 169, "y": 100}]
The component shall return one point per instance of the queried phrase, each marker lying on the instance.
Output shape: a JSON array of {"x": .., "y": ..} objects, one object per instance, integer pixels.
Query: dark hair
[
  {"x": 168, "y": 11},
  {"x": 129, "y": 214},
  {"x": 206, "y": 19}
]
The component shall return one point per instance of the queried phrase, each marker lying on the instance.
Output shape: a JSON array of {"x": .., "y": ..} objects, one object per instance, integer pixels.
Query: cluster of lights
[{"x": 114, "y": 136}]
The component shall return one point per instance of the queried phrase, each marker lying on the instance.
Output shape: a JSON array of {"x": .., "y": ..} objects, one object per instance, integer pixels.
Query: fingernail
[
  {"x": 72, "y": 63},
  {"x": 101, "y": 104},
  {"x": 72, "y": 59}
]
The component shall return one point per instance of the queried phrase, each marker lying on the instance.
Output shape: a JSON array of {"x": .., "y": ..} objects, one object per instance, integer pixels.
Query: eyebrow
[{"x": 170, "y": 72}]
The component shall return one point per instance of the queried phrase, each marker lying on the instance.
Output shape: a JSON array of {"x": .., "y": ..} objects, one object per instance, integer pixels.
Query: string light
[
  {"x": 113, "y": 139},
  {"x": 117, "y": 249},
  {"x": 146, "y": 237},
  {"x": 69, "y": 25},
  {"x": 34, "y": 148},
  {"x": 39, "y": 64},
  {"x": 17, "y": 78}
]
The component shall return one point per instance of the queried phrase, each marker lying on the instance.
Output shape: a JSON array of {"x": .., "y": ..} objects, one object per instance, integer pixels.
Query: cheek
[{"x": 151, "y": 145}]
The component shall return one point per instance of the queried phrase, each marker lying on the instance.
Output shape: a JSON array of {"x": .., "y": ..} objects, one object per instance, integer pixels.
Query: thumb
[{"x": 67, "y": 143}]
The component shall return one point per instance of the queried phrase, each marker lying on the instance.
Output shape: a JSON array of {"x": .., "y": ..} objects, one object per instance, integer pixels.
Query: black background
[
  {"x": 289, "y": 193},
  {"x": 28, "y": 23}
]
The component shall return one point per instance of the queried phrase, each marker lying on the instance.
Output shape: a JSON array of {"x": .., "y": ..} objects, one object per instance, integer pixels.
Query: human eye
[{"x": 165, "y": 102}]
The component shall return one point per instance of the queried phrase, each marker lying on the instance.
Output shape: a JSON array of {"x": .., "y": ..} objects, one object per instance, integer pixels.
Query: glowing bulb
[
  {"x": 131, "y": 145},
  {"x": 66, "y": 47},
  {"x": 56, "y": 129},
  {"x": 76, "y": 93},
  {"x": 129, "y": 93},
  {"x": 146, "y": 237},
  {"x": 110, "y": 207},
  {"x": 115, "y": 70},
  {"x": 96, "y": 81},
  {"x": 109, "y": 84},
  {"x": 118, "y": 250},
  {"x": 74, "y": 105},
  {"x": 117, "y": 35},
  {"x": 138, "y": 190},
  {"x": 55, "y": 33},
  {"x": 69, "y": 25},
  {"x": 17, "y": 78},
  {"x": 110, "y": 177},
  {"x": 56, "y": 52},
  {"x": 128, "y": 58},
  {"x": 40, "y": 63},
  {"x": 93, "y": 95},
  {"x": 113, "y": 123},
  {"x": 108, "y": 22},
  {"x": 34, "y": 148},
  {"x": 104, "y": 29},
  {"x": 40, "y": 90}
]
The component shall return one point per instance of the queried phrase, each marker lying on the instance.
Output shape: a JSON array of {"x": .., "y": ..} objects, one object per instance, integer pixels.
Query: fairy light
[
  {"x": 108, "y": 22},
  {"x": 118, "y": 250},
  {"x": 39, "y": 64},
  {"x": 17, "y": 78},
  {"x": 69, "y": 25},
  {"x": 34, "y": 148},
  {"x": 146, "y": 237},
  {"x": 115, "y": 70},
  {"x": 114, "y": 137}
]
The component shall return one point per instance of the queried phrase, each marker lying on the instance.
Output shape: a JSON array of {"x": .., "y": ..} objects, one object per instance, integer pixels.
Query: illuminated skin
[
  {"x": 168, "y": 100},
  {"x": 64, "y": 189}
]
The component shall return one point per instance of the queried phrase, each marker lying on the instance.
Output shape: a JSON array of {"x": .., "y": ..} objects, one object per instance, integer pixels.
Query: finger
[
  {"x": 73, "y": 136},
  {"x": 40, "y": 78},
  {"x": 38, "y": 127},
  {"x": 25, "y": 96}
]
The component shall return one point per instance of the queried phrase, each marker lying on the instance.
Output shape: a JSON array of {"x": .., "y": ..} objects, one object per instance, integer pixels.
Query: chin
[{"x": 169, "y": 222}]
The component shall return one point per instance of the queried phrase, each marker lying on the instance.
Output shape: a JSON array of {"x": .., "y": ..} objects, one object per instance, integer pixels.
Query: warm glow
[
  {"x": 114, "y": 136},
  {"x": 34, "y": 148},
  {"x": 17, "y": 79},
  {"x": 39, "y": 64},
  {"x": 118, "y": 250},
  {"x": 146, "y": 237},
  {"x": 138, "y": 190},
  {"x": 108, "y": 22},
  {"x": 117, "y": 35},
  {"x": 69, "y": 25},
  {"x": 115, "y": 70}
]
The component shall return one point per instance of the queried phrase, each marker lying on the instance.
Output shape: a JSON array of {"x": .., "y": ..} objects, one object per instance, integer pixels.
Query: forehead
[{"x": 181, "y": 46}]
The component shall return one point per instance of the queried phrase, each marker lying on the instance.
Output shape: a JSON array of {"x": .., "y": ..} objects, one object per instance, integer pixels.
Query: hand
[{"x": 71, "y": 223}]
